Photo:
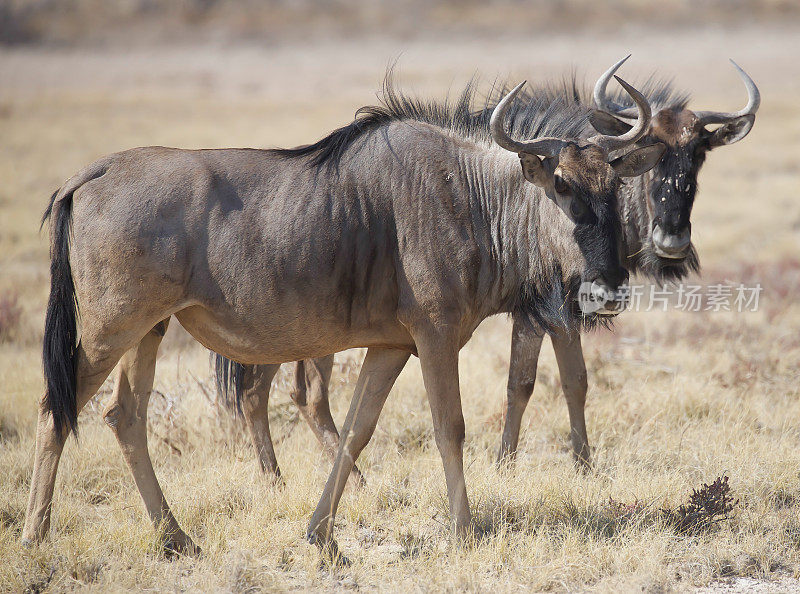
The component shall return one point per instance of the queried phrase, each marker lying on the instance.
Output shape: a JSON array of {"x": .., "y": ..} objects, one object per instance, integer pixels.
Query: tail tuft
[
  {"x": 59, "y": 352},
  {"x": 230, "y": 382}
]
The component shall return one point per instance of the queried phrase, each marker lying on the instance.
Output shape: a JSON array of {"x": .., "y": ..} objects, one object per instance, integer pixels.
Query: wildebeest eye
[{"x": 560, "y": 185}]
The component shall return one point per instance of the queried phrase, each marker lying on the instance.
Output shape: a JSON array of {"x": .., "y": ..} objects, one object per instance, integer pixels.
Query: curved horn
[
  {"x": 546, "y": 147},
  {"x": 611, "y": 143},
  {"x": 603, "y": 101},
  {"x": 753, "y": 102}
]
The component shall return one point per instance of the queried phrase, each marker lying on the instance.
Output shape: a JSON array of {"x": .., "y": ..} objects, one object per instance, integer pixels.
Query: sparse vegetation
[
  {"x": 675, "y": 399},
  {"x": 10, "y": 315}
]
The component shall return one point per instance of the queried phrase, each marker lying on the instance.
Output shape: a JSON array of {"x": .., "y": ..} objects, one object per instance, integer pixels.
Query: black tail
[
  {"x": 59, "y": 352},
  {"x": 230, "y": 382}
]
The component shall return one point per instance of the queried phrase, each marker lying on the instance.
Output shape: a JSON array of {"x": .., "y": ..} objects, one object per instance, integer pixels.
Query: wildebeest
[
  {"x": 393, "y": 233},
  {"x": 655, "y": 209}
]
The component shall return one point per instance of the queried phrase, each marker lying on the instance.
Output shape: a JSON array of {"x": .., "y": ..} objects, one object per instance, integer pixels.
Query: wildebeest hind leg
[
  {"x": 257, "y": 382},
  {"x": 311, "y": 394},
  {"x": 93, "y": 366},
  {"x": 126, "y": 414}
]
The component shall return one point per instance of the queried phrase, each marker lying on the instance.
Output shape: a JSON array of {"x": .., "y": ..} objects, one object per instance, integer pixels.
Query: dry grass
[{"x": 676, "y": 399}]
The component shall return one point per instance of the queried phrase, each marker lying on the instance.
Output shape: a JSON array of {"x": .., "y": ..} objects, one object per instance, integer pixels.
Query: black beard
[
  {"x": 556, "y": 308},
  {"x": 649, "y": 263}
]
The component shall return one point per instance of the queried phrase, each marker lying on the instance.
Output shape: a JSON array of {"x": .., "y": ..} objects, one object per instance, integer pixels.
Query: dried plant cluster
[{"x": 707, "y": 506}]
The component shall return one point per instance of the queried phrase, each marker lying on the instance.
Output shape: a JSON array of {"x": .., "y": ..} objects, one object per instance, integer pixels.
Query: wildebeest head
[
  {"x": 580, "y": 177},
  {"x": 672, "y": 184}
]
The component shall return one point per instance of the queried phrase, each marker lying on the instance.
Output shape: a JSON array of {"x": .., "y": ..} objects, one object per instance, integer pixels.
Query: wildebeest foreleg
[
  {"x": 438, "y": 356},
  {"x": 126, "y": 414},
  {"x": 378, "y": 374},
  {"x": 572, "y": 369},
  {"x": 525, "y": 347}
]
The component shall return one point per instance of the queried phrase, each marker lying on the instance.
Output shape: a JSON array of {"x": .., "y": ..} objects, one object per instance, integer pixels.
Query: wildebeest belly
[{"x": 278, "y": 339}]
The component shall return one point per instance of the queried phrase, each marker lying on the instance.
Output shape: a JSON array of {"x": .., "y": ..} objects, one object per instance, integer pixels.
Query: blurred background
[{"x": 71, "y": 22}]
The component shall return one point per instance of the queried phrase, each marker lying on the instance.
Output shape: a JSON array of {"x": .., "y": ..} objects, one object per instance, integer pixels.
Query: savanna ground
[{"x": 675, "y": 400}]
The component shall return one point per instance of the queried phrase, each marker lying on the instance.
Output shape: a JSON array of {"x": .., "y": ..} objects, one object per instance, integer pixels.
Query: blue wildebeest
[
  {"x": 655, "y": 208},
  {"x": 422, "y": 227}
]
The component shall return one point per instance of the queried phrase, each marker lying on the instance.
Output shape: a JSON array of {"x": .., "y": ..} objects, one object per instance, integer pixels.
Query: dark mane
[
  {"x": 568, "y": 90},
  {"x": 560, "y": 107},
  {"x": 538, "y": 114},
  {"x": 658, "y": 91}
]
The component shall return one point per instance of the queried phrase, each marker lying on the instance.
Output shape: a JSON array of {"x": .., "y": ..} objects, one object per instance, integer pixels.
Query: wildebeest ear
[
  {"x": 534, "y": 169},
  {"x": 607, "y": 124},
  {"x": 733, "y": 131},
  {"x": 639, "y": 160}
]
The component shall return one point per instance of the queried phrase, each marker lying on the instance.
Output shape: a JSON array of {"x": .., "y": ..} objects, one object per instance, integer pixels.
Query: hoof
[
  {"x": 28, "y": 543},
  {"x": 273, "y": 476},
  {"x": 332, "y": 558},
  {"x": 316, "y": 539},
  {"x": 330, "y": 555},
  {"x": 359, "y": 479},
  {"x": 467, "y": 536},
  {"x": 584, "y": 466},
  {"x": 505, "y": 461},
  {"x": 177, "y": 546}
]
